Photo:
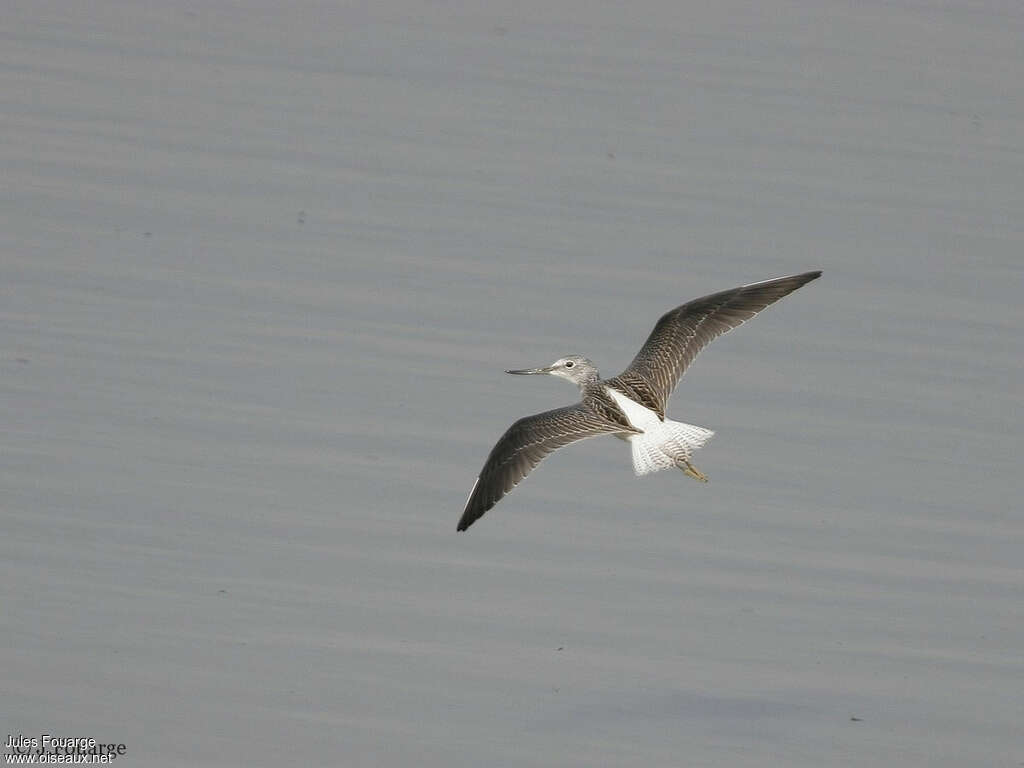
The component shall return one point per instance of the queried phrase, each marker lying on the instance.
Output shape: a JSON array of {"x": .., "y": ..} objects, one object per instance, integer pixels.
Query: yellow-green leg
[{"x": 692, "y": 471}]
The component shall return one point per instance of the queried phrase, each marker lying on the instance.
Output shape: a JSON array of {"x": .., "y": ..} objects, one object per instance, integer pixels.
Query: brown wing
[
  {"x": 522, "y": 447},
  {"x": 683, "y": 332}
]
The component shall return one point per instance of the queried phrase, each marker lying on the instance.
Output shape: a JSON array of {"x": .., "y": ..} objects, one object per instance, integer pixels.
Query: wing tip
[
  {"x": 468, "y": 518},
  {"x": 802, "y": 278},
  {"x": 783, "y": 286}
]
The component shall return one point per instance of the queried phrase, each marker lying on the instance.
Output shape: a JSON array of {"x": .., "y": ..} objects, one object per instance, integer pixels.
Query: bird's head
[{"x": 576, "y": 368}]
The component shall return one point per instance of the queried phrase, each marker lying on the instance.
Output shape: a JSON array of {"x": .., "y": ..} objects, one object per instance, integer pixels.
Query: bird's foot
[{"x": 692, "y": 471}]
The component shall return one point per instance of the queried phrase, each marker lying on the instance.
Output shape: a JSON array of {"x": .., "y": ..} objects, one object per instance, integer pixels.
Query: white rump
[{"x": 663, "y": 444}]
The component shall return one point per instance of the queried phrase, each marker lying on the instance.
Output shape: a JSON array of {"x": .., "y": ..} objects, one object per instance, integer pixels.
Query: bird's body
[{"x": 631, "y": 405}]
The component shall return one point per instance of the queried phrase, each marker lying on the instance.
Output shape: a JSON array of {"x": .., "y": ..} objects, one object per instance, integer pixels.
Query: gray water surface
[{"x": 263, "y": 266}]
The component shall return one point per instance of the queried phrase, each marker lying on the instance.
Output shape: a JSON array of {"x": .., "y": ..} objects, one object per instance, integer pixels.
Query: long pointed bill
[{"x": 530, "y": 371}]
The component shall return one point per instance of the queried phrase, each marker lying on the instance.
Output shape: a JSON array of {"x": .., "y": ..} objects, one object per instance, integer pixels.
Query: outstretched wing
[
  {"x": 522, "y": 447},
  {"x": 684, "y": 331}
]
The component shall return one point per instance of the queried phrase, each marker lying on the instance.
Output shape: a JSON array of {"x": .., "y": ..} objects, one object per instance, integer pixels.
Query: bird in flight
[{"x": 630, "y": 406}]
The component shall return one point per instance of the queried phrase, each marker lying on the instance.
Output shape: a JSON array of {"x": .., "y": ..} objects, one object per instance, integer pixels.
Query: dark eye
[{"x": 569, "y": 363}]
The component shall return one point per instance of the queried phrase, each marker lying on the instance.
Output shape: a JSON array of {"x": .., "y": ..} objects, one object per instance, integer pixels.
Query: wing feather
[
  {"x": 521, "y": 449},
  {"x": 684, "y": 331}
]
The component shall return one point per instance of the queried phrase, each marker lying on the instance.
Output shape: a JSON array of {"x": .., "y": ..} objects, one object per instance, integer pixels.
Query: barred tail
[{"x": 664, "y": 446}]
